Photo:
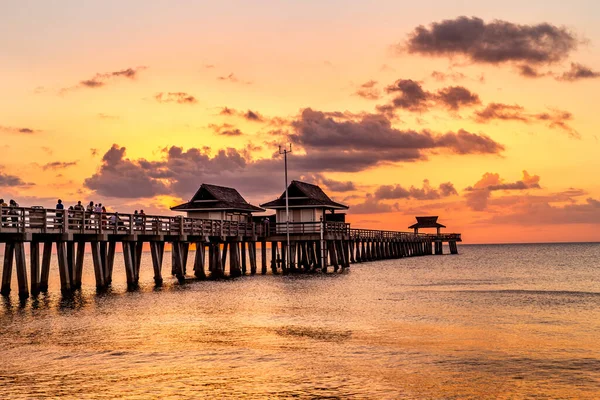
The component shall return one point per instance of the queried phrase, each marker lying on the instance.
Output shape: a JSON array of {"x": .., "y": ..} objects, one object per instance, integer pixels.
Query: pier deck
[{"x": 313, "y": 246}]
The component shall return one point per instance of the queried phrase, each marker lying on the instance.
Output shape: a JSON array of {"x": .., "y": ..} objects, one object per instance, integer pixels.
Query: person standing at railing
[
  {"x": 13, "y": 211},
  {"x": 143, "y": 219},
  {"x": 59, "y": 206},
  {"x": 4, "y": 211}
]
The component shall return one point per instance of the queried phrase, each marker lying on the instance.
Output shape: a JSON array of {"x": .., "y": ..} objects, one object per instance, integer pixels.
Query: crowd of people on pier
[{"x": 78, "y": 215}]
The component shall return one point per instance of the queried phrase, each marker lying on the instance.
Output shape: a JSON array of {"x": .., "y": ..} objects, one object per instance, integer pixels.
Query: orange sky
[{"x": 373, "y": 104}]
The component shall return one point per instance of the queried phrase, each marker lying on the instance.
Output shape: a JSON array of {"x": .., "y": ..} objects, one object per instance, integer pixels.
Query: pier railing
[{"x": 40, "y": 220}]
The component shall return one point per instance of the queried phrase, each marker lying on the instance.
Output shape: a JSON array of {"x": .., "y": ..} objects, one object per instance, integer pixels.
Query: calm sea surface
[{"x": 503, "y": 321}]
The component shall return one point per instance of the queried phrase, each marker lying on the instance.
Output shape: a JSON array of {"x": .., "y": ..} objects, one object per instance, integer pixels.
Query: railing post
[
  {"x": 65, "y": 222},
  {"x": 130, "y": 224},
  {"x": 322, "y": 233},
  {"x": 181, "y": 225}
]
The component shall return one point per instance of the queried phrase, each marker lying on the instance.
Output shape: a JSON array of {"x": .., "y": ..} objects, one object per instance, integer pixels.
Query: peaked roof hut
[
  {"x": 307, "y": 203},
  {"x": 427, "y": 222},
  {"x": 218, "y": 203}
]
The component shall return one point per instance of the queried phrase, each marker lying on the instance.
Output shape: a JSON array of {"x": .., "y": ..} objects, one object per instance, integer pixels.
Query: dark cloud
[
  {"x": 411, "y": 97},
  {"x": 19, "y": 130},
  {"x": 495, "y": 42},
  {"x": 58, "y": 165},
  {"x": 373, "y": 135},
  {"x": 253, "y": 116},
  {"x": 555, "y": 119},
  {"x": 326, "y": 145},
  {"x": 225, "y": 130},
  {"x": 249, "y": 115},
  {"x": 175, "y": 97},
  {"x": 331, "y": 184},
  {"x": 427, "y": 192},
  {"x": 416, "y": 99},
  {"x": 578, "y": 72},
  {"x": 368, "y": 90},
  {"x": 455, "y": 97},
  {"x": 8, "y": 180},
  {"x": 478, "y": 195},
  {"x": 530, "y": 72},
  {"x": 102, "y": 79}
]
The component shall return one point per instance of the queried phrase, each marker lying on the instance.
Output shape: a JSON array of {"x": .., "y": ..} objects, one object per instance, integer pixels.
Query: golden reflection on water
[{"x": 494, "y": 322}]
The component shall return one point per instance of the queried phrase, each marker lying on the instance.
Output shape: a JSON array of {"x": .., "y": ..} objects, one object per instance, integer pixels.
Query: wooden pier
[{"x": 223, "y": 248}]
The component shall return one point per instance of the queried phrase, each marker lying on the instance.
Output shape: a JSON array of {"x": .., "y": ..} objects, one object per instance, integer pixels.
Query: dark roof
[
  {"x": 213, "y": 197},
  {"x": 426, "y": 222},
  {"x": 305, "y": 195}
]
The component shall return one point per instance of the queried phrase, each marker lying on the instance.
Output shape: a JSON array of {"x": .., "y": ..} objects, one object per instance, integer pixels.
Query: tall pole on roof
[{"x": 285, "y": 152}]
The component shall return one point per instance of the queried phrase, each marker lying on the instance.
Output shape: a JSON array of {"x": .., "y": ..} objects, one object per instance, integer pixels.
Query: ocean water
[{"x": 496, "y": 321}]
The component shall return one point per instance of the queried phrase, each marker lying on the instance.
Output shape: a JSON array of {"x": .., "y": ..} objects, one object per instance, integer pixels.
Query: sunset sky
[{"x": 484, "y": 113}]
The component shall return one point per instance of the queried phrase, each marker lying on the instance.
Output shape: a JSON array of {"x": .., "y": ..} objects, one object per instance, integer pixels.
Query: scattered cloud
[
  {"x": 102, "y": 79},
  {"x": 225, "y": 130},
  {"x": 427, "y": 192},
  {"x": 58, "y": 165},
  {"x": 368, "y": 90},
  {"x": 578, "y": 72},
  {"x": 8, "y": 180},
  {"x": 232, "y": 78},
  {"x": 448, "y": 76},
  {"x": 555, "y": 119},
  {"x": 249, "y": 115},
  {"x": 493, "y": 42},
  {"x": 478, "y": 195},
  {"x": 175, "y": 97},
  {"x": 19, "y": 130},
  {"x": 412, "y": 97}
]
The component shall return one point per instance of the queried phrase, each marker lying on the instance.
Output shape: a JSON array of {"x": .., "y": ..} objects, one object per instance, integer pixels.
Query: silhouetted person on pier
[
  {"x": 13, "y": 205},
  {"x": 4, "y": 211},
  {"x": 60, "y": 205},
  {"x": 78, "y": 206}
]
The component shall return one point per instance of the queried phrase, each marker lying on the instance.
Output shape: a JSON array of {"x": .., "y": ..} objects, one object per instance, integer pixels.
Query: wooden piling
[
  {"x": 274, "y": 257},
  {"x": 46, "y": 257},
  {"x": 129, "y": 272},
  {"x": 252, "y": 254},
  {"x": 71, "y": 262},
  {"x": 9, "y": 252},
  {"x": 243, "y": 256},
  {"x": 21, "y": 264},
  {"x": 199, "y": 261},
  {"x": 110, "y": 262},
  {"x": 79, "y": 265},
  {"x": 34, "y": 267},
  {"x": 263, "y": 257},
  {"x": 97, "y": 261},
  {"x": 63, "y": 268},
  {"x": 234, "y": 266},
  {"x": 157, "y": 257}
]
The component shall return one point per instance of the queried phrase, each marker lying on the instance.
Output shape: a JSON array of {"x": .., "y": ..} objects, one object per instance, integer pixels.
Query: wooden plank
[
  {"x": 34, "y": 267},
  {"x": 46, "y": 258},
  {"x": 21, "y": 264}
]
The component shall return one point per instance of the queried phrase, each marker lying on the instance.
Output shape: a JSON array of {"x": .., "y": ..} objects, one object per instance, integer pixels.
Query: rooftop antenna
[{"x": 285, "y": 152}]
